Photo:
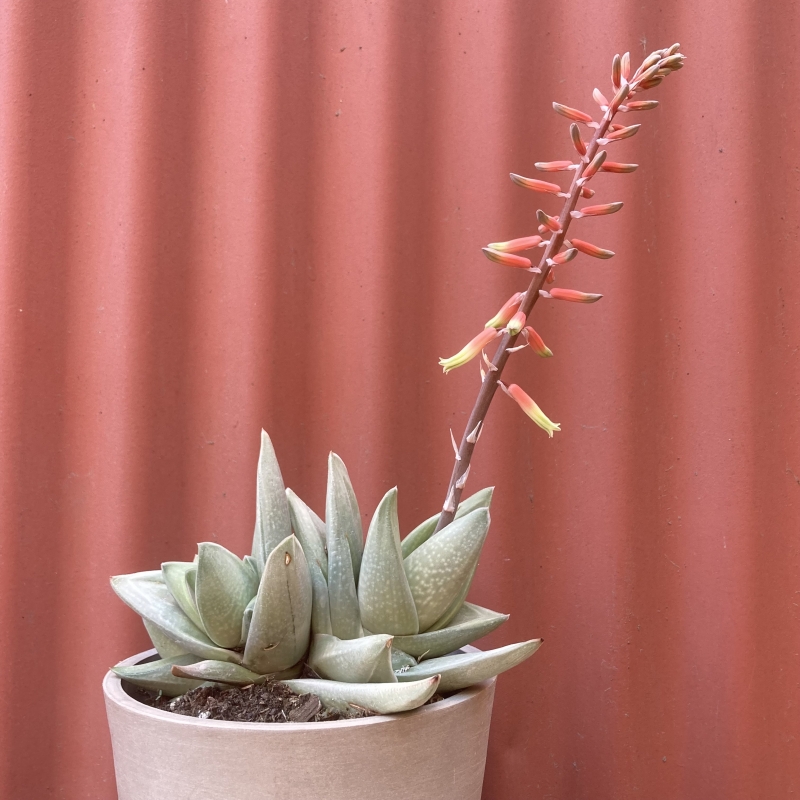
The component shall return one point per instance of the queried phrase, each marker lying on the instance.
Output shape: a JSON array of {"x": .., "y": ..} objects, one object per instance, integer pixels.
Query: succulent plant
[{"x": 379, "y": 621}]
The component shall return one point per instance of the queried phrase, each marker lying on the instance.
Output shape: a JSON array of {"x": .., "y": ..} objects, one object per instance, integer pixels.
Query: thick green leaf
[
  {"x": 424, "y": 530},
  {"x": 466, "y": 669},
  {"x": 247, "y": 618},
  {"x": 320, "y": 609},
  {"x": 163, "y": 644},
  {"x": 401, "y": 660},
  {"x": 456, "y": 604},
  {"x": 251, "y": 562},
  {"x": 364, "y": 660},
  {"x": 471, "y": 623},
  {"x": 306, "y": 530},
  {"x": 231, "y": 674},
  {"x": 223, "y": 588},
  {"x": 156, "y": 676},
  {"x": 342, "y": 596},
  {"x": 279, "y": 631},
  {"x": 180, "y": 578},
  {"x": 380, "y": 698},
  {"x": 439, "y": 569},
  {"x": 342, "y": 517},
  {"x": 272, "y": 511},
  {"x": 147, "y": 594},
  {"x": 384, "y": 597}
]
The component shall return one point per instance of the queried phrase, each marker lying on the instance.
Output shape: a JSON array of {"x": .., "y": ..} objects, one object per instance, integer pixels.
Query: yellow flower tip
[{"x": 469, "y": 351}]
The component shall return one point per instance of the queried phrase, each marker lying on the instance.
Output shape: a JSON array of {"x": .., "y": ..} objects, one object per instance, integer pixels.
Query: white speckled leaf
[
  {"x": 466, "y": 669},
  {"x": 247, "y": 618},
  {"x": 401, "y": 660},
  {"x": 306, "y": 530},
  {"x": 147, "y": 594},
  {"x": 364, "y": 660},
  {"x": 342, "y": 597},
  {"x": 384, "y": 597},
  {"x": 231, "y": 674},
  {"x": 272, "y": 511},
  {"x": 279, "y": 630},
  {"x": 342, "y": 516},
  {"x": 320, "y": 609},
  {"x": 381, "y": 698},
  {"x": 438, "y": 570},
  {"x": 223, "y": 588},
  {"x": 456, "y": 604},
  {"x": 424, "y": 531},
  {"x": 165, "y": 647},
  {"x": 179, "y": 577},
  {"x": 156, "y": 676},
  {"x": 471, "y": 623}
]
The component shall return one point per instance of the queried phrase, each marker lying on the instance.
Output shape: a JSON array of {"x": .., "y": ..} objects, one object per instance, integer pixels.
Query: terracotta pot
[{"x": 437, "y": 752}]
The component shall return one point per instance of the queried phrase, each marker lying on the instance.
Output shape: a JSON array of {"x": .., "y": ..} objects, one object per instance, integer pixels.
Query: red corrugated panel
[{"x": 221, "y": 216}]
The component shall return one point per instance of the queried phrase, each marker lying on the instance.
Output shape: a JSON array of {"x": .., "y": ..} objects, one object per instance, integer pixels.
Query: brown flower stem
[{"x": 501, "y": 356}]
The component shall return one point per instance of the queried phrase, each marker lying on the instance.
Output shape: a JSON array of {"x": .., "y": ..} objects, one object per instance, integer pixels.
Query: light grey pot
[{"x": 437, "y": 752}]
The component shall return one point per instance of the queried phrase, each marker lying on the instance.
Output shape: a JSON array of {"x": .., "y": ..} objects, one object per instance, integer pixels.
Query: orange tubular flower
[
  {"x": 575, "y": 133},
  {"x": 572, "y": 113},
  {"x": 525, "y": 402},
  {"x": 515, "y": 324},
  {"x": 574, "y": 296},
  {"x": 510, "y": 308},
  {"x": 470, "y": 351},
  {"x": 620, "y": 134},
  {"x": 639, "y": 105},
  {"x": 597, "y": 211},
  {"x": 536, "y": 343},
  {"x": 591, "y": 249},
  {"x": 615, "y": 166},
  {"x": 507, "y": 259},
  {"x": 549, "y": 222},
  {"x": 595, "y": 164},
  {"x": 537, "y": 186},
  {"x": 516, "y": 245},
  {"x": 554, "y": 166},
  {"x": 566, "y": 255}
]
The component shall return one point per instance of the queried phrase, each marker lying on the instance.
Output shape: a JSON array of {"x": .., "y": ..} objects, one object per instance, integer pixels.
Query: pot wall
[{"x": 436, "y": 752}]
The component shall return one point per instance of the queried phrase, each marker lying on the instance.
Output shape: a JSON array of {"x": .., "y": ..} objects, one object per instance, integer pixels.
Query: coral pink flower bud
[
  {"x": 597, "y": 211},
  {"x": 575, "y": 133},
  {"x": 551, "y": 276},
  {"x": 600, "y": 99},
  {"x": 537, "y": 186},
  {"x": 641, "y": 105},
  {"x": 648, "y": 73},
  {"x": 625, "y": 66},
  {"x": 554, "y": 166},
  {"x": 536, "y": 343},
  {"x": 616, "y": 71},
  {"x": 550, "y": 222},
  {"x": 674, "y": 49},
  {"x": 672, "y": 62},
  {"x": 507, "y": 259},
  {"x": 651, "y": 83},
  {"x": 516, "y": 245},
  {"x": 594, "y": 164},
  {"x": 525, "y": 402},
  {"x": 574, "y": 296},
  {"x": 515, "y": 323},
  {"x": 471, "y": 350},
  {"x": 567, "y": 255},
  {"x": 623, "y": 133},
  {"x": 615, "y": 166},
  {"x": 571, "y": 113},
  {"x": 501, "y": 318},
  {"x": 591, "y": 249},
  {"x": 543, "y": 229},
  {"x": 587, "y": 192},
  {"x": 620, "y": 96},
  {"x": 651, "y": 61}
]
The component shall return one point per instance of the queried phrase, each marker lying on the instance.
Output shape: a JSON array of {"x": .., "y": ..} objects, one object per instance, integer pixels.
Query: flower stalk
[{"x": 591, "y": 162}]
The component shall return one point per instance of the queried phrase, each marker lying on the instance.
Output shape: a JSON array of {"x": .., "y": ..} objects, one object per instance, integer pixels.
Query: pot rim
[{"x": 114, "y": 693}]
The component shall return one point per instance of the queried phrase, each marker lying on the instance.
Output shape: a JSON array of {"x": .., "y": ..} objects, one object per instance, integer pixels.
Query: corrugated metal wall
[{"x": 218, "y": 216}]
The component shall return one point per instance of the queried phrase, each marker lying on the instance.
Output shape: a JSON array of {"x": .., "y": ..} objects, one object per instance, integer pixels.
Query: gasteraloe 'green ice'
[{"x": 378, "y": 621}]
